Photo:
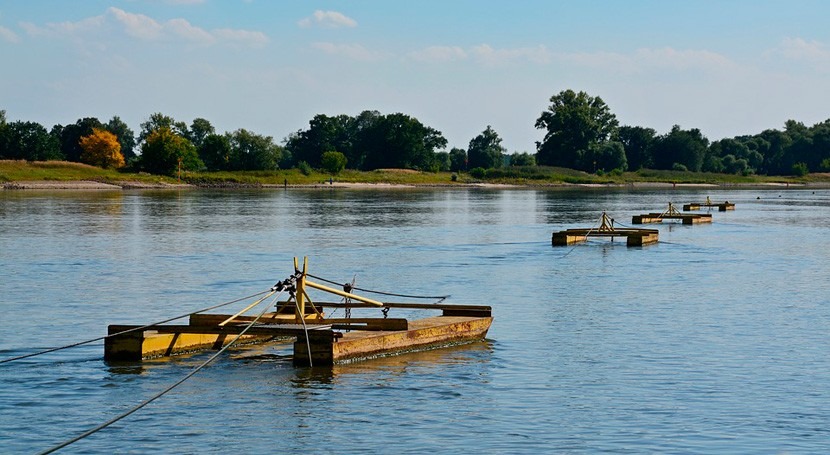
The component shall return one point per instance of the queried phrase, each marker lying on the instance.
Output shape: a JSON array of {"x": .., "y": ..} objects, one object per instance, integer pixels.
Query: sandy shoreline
[{"x": 131, "y": 185}]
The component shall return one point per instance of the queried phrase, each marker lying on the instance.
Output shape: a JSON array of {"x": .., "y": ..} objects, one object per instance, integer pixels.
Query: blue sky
[{"x": 726, "y": 67}]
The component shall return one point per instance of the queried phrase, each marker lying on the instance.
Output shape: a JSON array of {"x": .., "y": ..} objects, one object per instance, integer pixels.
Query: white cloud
[
  {"x": 8, "y": 35},
  {"x": 146, "y": 28},
  {"x": 439, "y": 54},
  {"x": 802, "y": 50},
  {"x": 66, "y": 28},
  {"x": 327, "y": 19},
  {"x": 350, "y": 51},
  {"x": 184, "y": 29},
  {"x": 137, "y": 25},
  {"x": 241, "y": 36}
]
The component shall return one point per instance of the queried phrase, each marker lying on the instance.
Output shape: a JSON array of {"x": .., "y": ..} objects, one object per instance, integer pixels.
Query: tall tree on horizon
[{"x": 574, "y": 123}]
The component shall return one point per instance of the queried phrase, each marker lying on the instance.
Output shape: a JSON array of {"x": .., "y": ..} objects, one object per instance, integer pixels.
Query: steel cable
[
  {"x": 81, "y": 343},
  {"x": 440, "y": 297},
  {"x": 165, "y": 391}
]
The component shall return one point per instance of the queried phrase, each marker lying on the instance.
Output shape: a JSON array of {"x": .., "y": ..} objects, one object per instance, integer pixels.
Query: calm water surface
[{"x": 715, "y": 340}]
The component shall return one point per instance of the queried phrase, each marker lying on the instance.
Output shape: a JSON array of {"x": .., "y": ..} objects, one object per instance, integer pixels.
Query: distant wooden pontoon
[
  {"x": 634, "y": 237},
  {"x": 672, "y": 214},
  {"x": 722, "y": 206}
]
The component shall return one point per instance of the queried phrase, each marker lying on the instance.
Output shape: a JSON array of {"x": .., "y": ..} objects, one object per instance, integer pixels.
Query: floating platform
[
  {"x": 332, "y": 341},
  {"x": 672, "y": 214},
  {"x": 318, "y": 340},
  {"x": 634, "y": 237},
  {"x": 721, "y": 206}
]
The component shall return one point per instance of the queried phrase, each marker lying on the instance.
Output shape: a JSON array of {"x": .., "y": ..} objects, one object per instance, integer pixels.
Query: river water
[{"x": 715, "y": 340}]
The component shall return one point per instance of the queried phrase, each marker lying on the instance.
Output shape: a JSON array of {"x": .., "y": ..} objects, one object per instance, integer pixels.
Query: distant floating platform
[
  {"x": 672, "y": 214},
  {"x": 634, "y": 237},
  {"x": 722, "y": 206}
]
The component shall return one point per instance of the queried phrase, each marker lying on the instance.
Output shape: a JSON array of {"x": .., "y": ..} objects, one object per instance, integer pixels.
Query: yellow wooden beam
[{"x": 348, "y": 295}]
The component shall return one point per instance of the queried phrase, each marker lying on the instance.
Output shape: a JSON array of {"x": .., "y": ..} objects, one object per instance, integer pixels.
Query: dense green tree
[
  {"x": 251, "y": 151},
  {"x": 776, "y": 162},
  {"x": 199, "y": 130},
  {"x": 70, "y": 137},
  {"x": 158, "y": 121},
  {"x": 27, "y": 141},
  {"x": 607, "y": 157},
  {"x": 215, "y": 152},
  {"x": 637, "y": 142},
  {"x": 4, "y": 127},
  {"x": 165, "y": 152},
  {"x": 325, "y": 134},
  {"x": 573, "y": 124},
  {"x": 733, "y": 165},
  {"x": 726, "y": 155},
  {"x": 442, "y": 162},
  {"x": 458, "y": 159},
  {"x": 333, "y": 162},
  {"x": 358, "y": 128},
  {"x": 820, "y": 135},
  {"x": 399, "y": 141},
  {"x": 485, "y": 150},
  {"x": 683, "y": 147},
  {"x": 522, "y": 159},
  {"x": 125, "y": 136}
]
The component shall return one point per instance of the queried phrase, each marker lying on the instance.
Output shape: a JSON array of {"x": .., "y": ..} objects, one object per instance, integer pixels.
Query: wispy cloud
[
  {"x": 146, "y": 28},
  {"x": 8, "y": 35},
  {"x": 350, "y": 51},
  {"x": 65, "y": 28},
  {"x": 327, "y": 19},
  {"x": 438, "y": 54},
  {"x": 800, "y": 49},
  {"x": 139, "y": 25}
]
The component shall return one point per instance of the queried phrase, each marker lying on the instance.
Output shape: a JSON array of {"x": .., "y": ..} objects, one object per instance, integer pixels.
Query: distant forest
[{"x": 580, "y": 132}]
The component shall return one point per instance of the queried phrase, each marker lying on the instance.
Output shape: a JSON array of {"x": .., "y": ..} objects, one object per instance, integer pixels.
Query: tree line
[{"x": 580, "y": 132}]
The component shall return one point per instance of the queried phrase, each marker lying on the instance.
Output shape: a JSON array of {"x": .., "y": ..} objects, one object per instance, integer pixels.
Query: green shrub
[
  {"x": 304, "y": 168},
  {"x": 333, "y": 162},
  {"x": 800, "y": 169}
]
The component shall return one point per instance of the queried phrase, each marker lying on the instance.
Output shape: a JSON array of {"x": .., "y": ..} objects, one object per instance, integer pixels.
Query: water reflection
[{"x": 395, "y": 366}]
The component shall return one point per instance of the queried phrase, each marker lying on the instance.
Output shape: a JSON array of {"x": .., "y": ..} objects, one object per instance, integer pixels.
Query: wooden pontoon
[
  {"x": 320, "y": 340},
  {"x": 721, "y": 206},
  {"x": 634, "y": 237},
  {"x": 672, "y": 214}
]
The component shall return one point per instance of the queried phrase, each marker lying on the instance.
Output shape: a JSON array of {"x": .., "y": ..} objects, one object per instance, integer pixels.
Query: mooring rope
[
  {"x": 165, "y": 391},
  {"x": 81, "y": 343},
  {"x": 305, "y": 329},
  {"x": 586, "y": 239},
  {"x": 440, "y": 297}
]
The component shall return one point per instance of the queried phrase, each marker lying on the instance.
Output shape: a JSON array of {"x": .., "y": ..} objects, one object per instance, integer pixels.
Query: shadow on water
[{"x": 396, "y": 365}]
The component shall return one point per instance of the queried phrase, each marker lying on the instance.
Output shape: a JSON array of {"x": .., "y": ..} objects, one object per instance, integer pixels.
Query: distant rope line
[
  {"x": 168, "y": 389},
  {"x": 441, "y": 297},
  {"x": 130, "y": 330}
]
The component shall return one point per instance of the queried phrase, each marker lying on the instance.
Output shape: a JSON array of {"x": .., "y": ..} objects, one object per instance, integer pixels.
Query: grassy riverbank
[{"x": 12, "y": 172}]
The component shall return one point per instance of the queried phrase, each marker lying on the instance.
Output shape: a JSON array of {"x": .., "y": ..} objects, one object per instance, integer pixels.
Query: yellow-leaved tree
[{"x": 102, "y": 149}]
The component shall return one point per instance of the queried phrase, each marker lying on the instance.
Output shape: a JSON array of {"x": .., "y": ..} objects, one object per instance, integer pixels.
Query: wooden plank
[
  {"x": 414, "y": 306},
  {"x": 422, "y": 334},
  {"x": 369, "y": 323},
  {"x": 230, "y": 329}
]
